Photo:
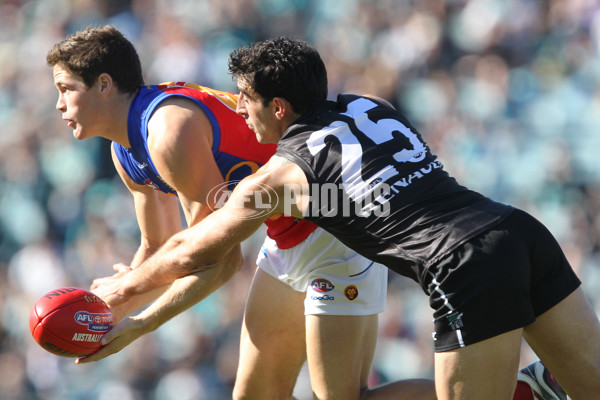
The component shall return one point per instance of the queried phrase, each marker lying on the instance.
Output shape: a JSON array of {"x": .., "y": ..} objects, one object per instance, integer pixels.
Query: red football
[{"x": 70, "y": 321}]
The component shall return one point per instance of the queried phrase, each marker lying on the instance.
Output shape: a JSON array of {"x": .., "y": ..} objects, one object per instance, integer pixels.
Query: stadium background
[{"x": 506, "y": 92}]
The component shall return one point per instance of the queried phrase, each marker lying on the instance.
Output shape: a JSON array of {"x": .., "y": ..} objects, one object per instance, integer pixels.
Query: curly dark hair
[
  {"x": 94, "y": 51},
  {"x": 282, "y": 67}
]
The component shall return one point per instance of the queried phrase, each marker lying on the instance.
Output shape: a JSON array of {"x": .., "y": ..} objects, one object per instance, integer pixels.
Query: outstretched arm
[
  {"x": 204, "y": 245},
  {"x": 197, "y": 258}
]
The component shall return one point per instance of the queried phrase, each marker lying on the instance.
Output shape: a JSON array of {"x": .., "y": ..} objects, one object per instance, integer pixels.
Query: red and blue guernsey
[{"x": 235, "y": 148}]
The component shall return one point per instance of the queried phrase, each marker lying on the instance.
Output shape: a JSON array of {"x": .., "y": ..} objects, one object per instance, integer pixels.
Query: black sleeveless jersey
[{"x": 375, "y": 185}]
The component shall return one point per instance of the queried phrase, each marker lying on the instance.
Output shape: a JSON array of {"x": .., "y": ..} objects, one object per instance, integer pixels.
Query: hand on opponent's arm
[
  {"x": 205, "y": 245},
  {"x": 107, "y": 289},
  {"x": 197, "y": 259},
  {"x": 182, "y": 294}
]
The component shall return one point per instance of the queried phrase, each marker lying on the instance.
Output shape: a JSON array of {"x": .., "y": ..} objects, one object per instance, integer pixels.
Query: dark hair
[
  {"x": 94, "y": 51},
  {"x": 282, "y": 67}
]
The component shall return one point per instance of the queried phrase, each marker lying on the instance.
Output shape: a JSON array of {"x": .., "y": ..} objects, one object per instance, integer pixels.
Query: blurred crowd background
[{"x": 506, "y": 92}]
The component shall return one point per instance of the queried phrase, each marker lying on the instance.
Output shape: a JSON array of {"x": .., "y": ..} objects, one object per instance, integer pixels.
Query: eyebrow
[{"x": 61, "y": 83}]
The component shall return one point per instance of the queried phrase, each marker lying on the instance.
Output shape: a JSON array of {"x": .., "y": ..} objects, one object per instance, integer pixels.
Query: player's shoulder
[
  {"x": 280, "y": 174},
  {"x": 279, "y": 183},
  {"x": 176, "y": 106},
  {"x": 178, "y": 120}
]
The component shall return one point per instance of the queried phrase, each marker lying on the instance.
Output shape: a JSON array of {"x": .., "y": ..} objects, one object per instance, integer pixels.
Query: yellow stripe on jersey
[{"x": 229, "y": 99}]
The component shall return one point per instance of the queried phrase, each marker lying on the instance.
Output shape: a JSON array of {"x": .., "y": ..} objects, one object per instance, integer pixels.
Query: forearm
[
  {"x": 182, "y": 294},
  {"x": 202, "y": 246},
  {"x": 142, "y": 254},
  {"x": 187, "y": 252},
  {"x": 187, "y": 291},
  {"x": 149, "y": 246},
  {"x": 135, "y": 302}
]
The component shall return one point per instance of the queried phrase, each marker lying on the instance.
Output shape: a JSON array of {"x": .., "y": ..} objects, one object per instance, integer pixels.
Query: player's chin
[
  {"x": 264, "y": 139},
  {"x": 78, "y": 134},
  {"x": 79, "y": 137},
  {"x": 259, "y": 138}
]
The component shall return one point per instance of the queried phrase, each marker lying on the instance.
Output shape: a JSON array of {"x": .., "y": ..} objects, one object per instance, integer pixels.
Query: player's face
[
  {"x": 260, "y": 118},
  {"x": 76, "y": 102}
]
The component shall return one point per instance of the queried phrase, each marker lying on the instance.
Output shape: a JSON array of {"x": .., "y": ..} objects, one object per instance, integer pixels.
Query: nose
[
  {"x": 60, "y": 103},
  {"x": 240, "y": 109}
]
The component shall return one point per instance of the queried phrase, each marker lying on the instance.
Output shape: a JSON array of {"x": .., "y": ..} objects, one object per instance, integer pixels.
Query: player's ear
[
  {"x": 105, "y": 83},
  {"x": 282, "y": 107}
]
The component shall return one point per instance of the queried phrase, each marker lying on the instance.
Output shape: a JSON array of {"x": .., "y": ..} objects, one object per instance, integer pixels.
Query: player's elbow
[
  {"x": 234, "y": 261},
  {"x": 191, "y": 255},
  {"x": 228, "y": 264},
  {"x": 237, "y": 258}
]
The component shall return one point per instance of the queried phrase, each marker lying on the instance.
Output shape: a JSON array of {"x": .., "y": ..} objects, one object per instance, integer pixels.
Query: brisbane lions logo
[{"x": 351, "y": 292}]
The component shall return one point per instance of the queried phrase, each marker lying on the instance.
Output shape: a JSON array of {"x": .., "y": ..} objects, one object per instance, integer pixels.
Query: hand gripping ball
[{"x": 70, "y": 322}]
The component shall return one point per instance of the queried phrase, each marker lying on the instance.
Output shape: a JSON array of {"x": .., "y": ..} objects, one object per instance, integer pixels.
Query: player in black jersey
[
  {"x": 359, "y": 169},
  {"x": 493, "y": 273}
]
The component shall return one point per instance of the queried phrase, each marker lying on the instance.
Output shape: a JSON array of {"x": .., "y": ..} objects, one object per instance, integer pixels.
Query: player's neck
[
  {"x": 116, "y": 117},
  {"x": 287, "y": 120}
]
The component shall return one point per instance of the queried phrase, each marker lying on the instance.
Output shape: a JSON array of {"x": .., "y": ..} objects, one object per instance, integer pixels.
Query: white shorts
[{"x": 336, "y": 279}]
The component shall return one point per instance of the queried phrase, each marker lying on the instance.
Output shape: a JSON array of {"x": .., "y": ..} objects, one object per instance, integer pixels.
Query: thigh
[
  {"x": 340, "y": 352},
  {"x": 567, "y": 340},
  {"x": 272, "y": 347},
  {"x": 484, "y": 370},
  {"x": 344, "y": 293}
]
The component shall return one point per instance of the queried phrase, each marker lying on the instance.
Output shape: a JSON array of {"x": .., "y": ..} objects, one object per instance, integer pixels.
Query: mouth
[{"x": 70, "y": 123}]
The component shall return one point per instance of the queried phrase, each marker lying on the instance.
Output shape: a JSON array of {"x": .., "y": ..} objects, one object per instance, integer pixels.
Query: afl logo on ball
[
  {"x": 321, "y": 285},
  {"x": 351, "y": 292}
]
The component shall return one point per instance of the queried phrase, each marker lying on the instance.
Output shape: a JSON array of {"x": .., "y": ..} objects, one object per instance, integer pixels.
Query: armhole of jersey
[
  {"x": 121, "y": 156},
  {"x": 299, "y": 161},
  {"x": 216, "y": 129},
  {"x": 144, "y": 129}
]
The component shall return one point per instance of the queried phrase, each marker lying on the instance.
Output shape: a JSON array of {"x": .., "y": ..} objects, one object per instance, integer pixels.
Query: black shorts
[{"x": 500, "y": 280}]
